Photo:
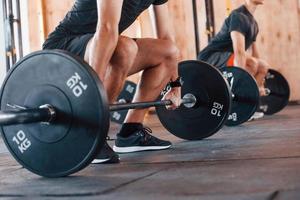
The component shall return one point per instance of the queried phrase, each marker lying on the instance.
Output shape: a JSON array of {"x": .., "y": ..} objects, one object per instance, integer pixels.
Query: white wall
[
  {"x": 25, "y": 26},
  {"x": 2, "y": 48},
  {"x": 25, "y": 35}
]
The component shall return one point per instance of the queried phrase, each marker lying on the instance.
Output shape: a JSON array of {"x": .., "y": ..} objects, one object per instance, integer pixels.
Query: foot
[
  {"x": 256, "y": 115},
  {"x": 106, "y": 156},
  {"x": 141, "y": 140}
]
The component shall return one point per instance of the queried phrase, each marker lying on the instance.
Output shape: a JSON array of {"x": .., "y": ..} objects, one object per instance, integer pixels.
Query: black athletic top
[
  {"x": 83, "y": 16},
  {"x": 220, "y": 48}
]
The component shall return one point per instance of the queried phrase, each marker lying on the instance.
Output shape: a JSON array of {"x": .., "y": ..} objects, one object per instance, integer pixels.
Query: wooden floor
[{"x": 259, "y": 160}]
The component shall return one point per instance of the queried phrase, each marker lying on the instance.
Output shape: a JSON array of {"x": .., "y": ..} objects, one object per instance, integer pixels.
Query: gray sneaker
[
  {"x": 141, "y": 140},
  {"x": 106, "y": 156}
]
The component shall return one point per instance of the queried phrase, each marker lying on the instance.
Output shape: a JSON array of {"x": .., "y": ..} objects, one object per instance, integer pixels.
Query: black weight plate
[
  {"x": 125, "y": 96},
  {"x": 246, "y": 95},
  {"x": 279, "y": 96},
  {"x": 69, "y": 143},
  {"x": 207, "y": 84}
]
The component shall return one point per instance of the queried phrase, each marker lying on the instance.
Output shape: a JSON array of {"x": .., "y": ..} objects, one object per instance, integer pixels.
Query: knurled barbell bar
[{"x": 46, "y": 113}]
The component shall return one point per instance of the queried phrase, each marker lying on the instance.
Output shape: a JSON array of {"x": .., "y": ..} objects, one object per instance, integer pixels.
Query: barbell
[
  {"x": 243, "y": 84},
  {"x": 55, "y": 115},
  {"x": 245, "y": 95}
]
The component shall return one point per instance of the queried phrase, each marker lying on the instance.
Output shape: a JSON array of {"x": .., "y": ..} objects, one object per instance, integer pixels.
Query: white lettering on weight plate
[
  {"x": 22, "y": 141},
  {"x": 229, "y": 77},
  {"x": 116, "y": 116},
  {"x": 130, "y": 89},
  {"x": 216, "y": 109},
  {"x": 233, "y": 117},
  {"x": 264, "y": 108},
  {"x": 76, "y": 85}
]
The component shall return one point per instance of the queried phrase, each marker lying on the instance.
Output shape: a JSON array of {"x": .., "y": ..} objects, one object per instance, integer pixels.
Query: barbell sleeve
[
  {"x": 188, "y": 100},
  {"x": 44, "y": 113}
]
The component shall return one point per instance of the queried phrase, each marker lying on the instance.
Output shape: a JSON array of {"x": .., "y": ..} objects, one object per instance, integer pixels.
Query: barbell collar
[{"x": 45, "y": 113}]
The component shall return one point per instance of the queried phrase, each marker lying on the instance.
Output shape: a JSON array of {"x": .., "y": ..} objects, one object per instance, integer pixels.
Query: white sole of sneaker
[
  {"x": 138, "y": 148},
  {"x": 99, "y": 161},
  {"x": 256, "y": 116}
]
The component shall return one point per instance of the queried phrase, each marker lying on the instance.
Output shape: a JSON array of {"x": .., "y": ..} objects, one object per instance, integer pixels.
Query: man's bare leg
[
  {"x": 158, "y": 59},
  {"x": 251, "y": 65},
  {"x": 116, "y": 73},
  {"x": 120, "y": 64},
  {"x": 257, "y": 69},
  {"x": 261, "y": 74}
]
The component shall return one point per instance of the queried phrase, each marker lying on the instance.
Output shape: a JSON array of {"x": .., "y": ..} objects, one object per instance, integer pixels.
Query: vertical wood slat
[
  {"x": 182, "y": 19},
  {"x": 35, "y": 21},
  {"x": 43, "y": 21}
]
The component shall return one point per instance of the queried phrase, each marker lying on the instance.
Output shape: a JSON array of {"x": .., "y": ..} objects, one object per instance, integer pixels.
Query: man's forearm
[
  {"x": 240, "y": 59},
  {"x": 104, "y": 44}
]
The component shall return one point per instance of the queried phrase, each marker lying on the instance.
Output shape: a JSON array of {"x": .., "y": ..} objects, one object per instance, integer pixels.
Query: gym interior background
[
  {"x": 259, "y": 160},
  {"x": 278, "y": 40}
]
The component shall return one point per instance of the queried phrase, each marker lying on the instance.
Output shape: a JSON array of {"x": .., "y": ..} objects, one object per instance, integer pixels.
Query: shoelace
[
  {"x": 146, "y": 133},
  {"x": 147, "y": 130}
]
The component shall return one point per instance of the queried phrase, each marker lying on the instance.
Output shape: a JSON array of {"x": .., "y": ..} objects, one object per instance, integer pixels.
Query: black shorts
[
  {"x": 216, "y": 59},
  {"x": 75, "y": 44}
]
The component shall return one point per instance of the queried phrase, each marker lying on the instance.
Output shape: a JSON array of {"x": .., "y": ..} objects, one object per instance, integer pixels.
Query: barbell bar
[{"x": 46, "y": 113}]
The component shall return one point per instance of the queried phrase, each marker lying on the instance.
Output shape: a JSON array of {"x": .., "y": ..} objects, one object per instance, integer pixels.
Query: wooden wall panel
[
  {"x": 44, "y": 15},
  {"x": 182, "y": 20},
  {"x": 36, "y": 32}
]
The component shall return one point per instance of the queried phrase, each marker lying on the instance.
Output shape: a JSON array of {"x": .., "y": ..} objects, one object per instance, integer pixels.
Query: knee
[
  {"x": 170, "y": 56},
  {"x": 263, "y": 67},
  {"x": 124, "y": 54},
  {"x": 171, "y": 51}
]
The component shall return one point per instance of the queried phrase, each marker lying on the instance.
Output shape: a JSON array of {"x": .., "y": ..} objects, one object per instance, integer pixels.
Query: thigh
[{"x": 151, "y": 52}]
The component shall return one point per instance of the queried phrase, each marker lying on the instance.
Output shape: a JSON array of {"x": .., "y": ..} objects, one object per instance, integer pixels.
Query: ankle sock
[{"x": 129, "y": 128}]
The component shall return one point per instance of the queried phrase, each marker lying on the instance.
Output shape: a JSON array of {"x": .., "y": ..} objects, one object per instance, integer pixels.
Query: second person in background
[{"x": 236, "y": 42}]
